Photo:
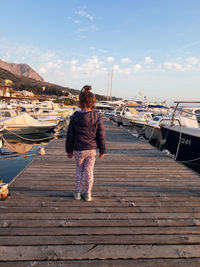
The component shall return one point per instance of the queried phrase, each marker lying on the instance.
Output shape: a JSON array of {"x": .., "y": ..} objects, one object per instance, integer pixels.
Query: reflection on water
[
  {"x": 17, "y": 147},
  {"x": 15, "y": 155}
]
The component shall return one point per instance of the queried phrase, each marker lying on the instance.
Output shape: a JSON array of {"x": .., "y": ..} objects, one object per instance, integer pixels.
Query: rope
[
  {"x": 151, "y": 134},
  {"x": 190, "y": 160},
  {"x": 179, "y": 142},
  {"x": 8, "y": 144},
  {"x": 28, "y": 139},
  {"x": 19, "y": 157}
]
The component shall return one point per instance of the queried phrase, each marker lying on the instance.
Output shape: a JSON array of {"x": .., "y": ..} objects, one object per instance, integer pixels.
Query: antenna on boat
[
  {"x": 108, "y": 89},
  {"x": 111, "y": 78}
]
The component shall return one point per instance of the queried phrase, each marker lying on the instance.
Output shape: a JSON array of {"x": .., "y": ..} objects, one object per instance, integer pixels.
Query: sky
[{"x": 151, "y": 47}]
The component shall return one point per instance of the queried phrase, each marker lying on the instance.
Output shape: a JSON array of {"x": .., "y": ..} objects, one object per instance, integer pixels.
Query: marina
[
  {"x": 99, "y": 133},
  {"x": 145, "y": 210}
]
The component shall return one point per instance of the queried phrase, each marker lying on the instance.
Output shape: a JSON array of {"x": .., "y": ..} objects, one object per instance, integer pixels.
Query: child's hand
[
  {"x": 70, "y": 155},
  {"x": 101, "y": 156}
]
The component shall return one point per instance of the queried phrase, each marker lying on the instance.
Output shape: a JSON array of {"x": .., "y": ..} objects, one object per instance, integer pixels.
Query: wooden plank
[
  {"x": 25, "y": 223},
  {"x": 71, "y": 252},
  {"x": 99, "y": 216},
  {"x": 31, "y": 240},
  {"x": 68, "y": 230},
  {"x": 130, "y": 209},
  {"x": 195, "y": 262},
  {"x": 150, "y": 203},
  {"x": 145, "y": 207}
]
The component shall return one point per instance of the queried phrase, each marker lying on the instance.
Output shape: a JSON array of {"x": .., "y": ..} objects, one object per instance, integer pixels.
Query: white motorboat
[
  {"x": 181, "y": 136},
  {"x": 141, "y": 120},
  {"x": 129, "y": 114},
  {"x": 118, "y": 115},
  {"x": 152, "y": 129},
  {"x": 24, "y": 124}
]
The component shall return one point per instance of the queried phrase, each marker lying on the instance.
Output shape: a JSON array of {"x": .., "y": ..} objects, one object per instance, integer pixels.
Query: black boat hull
[{"x": 184, "y": 147}]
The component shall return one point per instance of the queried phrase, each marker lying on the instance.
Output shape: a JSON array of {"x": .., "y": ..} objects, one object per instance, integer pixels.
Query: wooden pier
[{"x": 145, "y": 210}]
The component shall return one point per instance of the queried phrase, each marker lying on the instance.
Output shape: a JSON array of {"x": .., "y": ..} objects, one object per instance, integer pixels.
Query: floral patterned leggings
[{"x": 85, "y": 161}]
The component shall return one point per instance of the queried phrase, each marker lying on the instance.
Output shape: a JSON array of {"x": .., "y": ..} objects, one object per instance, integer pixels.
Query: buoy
[
  {"x": 3, "y": 187},
  {"x": 3, "y": 190},
  {"x": 42, "y": 151}
]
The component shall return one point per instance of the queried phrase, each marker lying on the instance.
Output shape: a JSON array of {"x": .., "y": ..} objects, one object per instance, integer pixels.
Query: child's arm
[
  {"x": 69, "y": 145},
  {"x": 101, "y": 139}
]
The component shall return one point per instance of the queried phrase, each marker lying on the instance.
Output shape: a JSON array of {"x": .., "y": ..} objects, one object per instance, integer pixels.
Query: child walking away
[{"x": 84, "y": 135}]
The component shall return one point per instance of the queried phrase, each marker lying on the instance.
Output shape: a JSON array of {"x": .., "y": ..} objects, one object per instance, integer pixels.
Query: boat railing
[{"x": 171, "y": 120}]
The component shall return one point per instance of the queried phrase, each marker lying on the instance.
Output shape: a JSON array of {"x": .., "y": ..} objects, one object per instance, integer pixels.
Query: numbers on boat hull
[{"x": 186, "y": 141}]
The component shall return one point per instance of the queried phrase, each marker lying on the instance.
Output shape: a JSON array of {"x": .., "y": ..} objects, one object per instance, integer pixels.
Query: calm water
[
  {"x": 11, "y": 167},
  {"x": 14, "y": 157}
]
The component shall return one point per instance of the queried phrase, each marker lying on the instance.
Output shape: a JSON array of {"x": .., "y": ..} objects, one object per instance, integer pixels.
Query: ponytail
[{"x": 86, "y": 98}]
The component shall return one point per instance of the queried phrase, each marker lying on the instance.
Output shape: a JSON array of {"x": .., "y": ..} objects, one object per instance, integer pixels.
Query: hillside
[
  {"x": 35, "y": 86},
  {"x": 24, "y": 83},
  {"x": 25, "y": 78},
  {"x": 21, "y": 70}
]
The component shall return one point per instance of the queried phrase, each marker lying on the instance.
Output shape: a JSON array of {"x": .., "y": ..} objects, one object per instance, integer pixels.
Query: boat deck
[{"x": 145, "y": 210}]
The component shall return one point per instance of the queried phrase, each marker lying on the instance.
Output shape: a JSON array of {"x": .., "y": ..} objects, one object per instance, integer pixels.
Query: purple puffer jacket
[{"x": 85, "y": 132}]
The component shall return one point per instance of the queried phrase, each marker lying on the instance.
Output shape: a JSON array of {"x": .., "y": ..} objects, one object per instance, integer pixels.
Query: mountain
[
  {"x": 30, "y": 84},
  {"x": 21, "y": 70},
  {"x": 25, "y": 78}
]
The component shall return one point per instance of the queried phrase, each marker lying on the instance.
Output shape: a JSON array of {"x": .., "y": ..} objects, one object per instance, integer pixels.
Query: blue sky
[{"x": 152, "y": 46}]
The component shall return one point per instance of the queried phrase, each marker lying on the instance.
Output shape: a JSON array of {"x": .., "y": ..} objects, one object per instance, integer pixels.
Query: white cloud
[
  {"x": 42, "y": 70},
  {"x": 173, "y": 66},
  {"x": 74, "y": 62},
  {"x": 148, "y": 60},
  {"x": 125, "y": 60},
  {"x": 137, "y": 67},
  {"x": 84, "y": 14},
  {"x": 110, "y": 59},
  {"x": 91, "y": 66},
  {"x": 50, "y": 66},
  {"x": 116, "y": 67},
  {"x": 192, "y": 60},
  {"x": 76, "y": 21},
  {"x": 126, "y": 71}
]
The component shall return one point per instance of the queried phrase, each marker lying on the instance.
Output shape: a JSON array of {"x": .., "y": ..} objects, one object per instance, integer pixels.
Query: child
[{"x": 84, "y": 135}]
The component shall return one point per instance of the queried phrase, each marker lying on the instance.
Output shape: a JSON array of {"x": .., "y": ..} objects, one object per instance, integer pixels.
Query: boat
[
  {"x": 24, "y": 124},
  {"x": 152, "y": 129},
  {"x": 128, "y": 114},
  {"x": 181, "y": 136},
  {"x": 140, "y": 121},
  {"x": 118, "y": 115}
]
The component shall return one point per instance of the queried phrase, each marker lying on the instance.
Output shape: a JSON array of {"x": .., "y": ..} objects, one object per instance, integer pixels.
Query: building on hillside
[
  {"x": 75, "y": 97},
  {"x": 6, "y": 83},
  {"x": 5, "y": 92},
  {"x": 26, "y": 93}
]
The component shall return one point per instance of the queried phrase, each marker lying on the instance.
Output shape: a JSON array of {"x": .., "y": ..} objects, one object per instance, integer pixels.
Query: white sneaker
[
  {"x": 88, "y": 197},
  {"x": 77, "y": 195}
]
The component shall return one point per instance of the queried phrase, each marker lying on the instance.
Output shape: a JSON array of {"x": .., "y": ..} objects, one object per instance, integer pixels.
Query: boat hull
[
  {"x": 188, "y": 147},
  {"x": 153, "y": 133}
]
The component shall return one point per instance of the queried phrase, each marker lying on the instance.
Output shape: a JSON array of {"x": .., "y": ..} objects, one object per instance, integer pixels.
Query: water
[
  {"x": 14, "y": 157},
  {"x": 11, "y": 167}
]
